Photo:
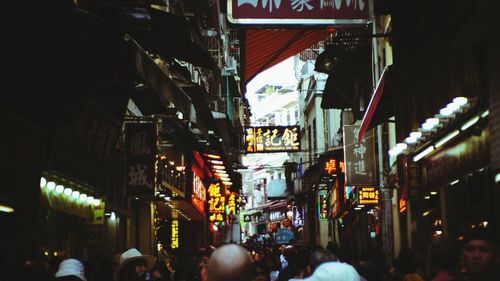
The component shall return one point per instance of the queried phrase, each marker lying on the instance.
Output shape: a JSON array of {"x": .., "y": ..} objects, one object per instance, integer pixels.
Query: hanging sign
[
  {"x": 359, "y": 157},
  {"x": 367, "y": 195},
  {"x": 272, "y": 139},
  {"x": 323, "y": 206},
  {"x": 216, "y": 203},
  {"x": 140, "y": 152},
  {"x": 279, "y": 12}
]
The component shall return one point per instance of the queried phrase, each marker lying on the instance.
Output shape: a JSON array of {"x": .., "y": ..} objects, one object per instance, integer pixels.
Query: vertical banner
[
  {"x": 359, "y": 157},
  {"x": 140, "y": 152}
]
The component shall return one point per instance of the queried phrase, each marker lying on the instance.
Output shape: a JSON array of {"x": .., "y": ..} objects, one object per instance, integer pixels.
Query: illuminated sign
[
  {"x": 279, "y": 12},
  {"x": 175, "y": 234},
  {"x": 333, "y": 166},
  {"x": 199, "y": 194},
  {"x": 367, "y": 195},
  {"x": 323, "y": 206},
  {"x": 231, "y": 203},
  {"x": 216, "y": 203},
  {"x": 272, "y": 139}
]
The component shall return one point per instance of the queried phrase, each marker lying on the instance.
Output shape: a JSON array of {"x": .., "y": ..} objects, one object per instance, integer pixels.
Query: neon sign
[
  {"x": 367, "y": 195},
  {"x": 216, "y": 203}
]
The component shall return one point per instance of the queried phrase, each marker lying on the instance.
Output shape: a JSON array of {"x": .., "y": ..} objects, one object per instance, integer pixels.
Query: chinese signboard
[
  {"x": 283, "y": 236},
  {"x": 198, "y": 197},
  {"x": 333, "y": 166},
  {"x": 140, "y": 152},
  {"x": 323, "y": 206},
  {"x": 367, "y": 195},
  {"x": 216, "y": 202},
  {"x": 298, "y": 11},
  {"x": 174, "y": 244},
  {"x": 359, "y": 157},
  {"x": 231, "y": 203},
  {"x": 272, "y": 139}
]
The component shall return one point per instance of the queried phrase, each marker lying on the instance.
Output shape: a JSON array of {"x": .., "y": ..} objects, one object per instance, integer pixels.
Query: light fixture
[
  {"x": 113, "y": 216},
  {"x": 216, "y": 162},
  {"x": 59, "y": 188},
  {"x": 219, "y": 167},
  {"x": 83, "y": 197},
  {"x": 43, "y": 182},
  {"x": 97, "y": 202},
  {"x": 90, "y": 200},
  {"x": 445, "y": 111},
  {"x": 432, "y": 121},
  {"x": 75, "y": 194},
  {"x": 453, "y": 107},
  {"x": 447, "y": 138},
  {"x": 411, "y": 140},
  {"x": 486, "y": 113},
  {"x": 454, "y": 182},
  {"x": 434, "y": 192},
  {"x": 416, "y": 134},
  {"x": 424, "y": 153},
  {"x": 227, "y": 183},
  {"x": 51, "y": 185},
  {"x": 67, "y": 191},
  {"x": 427, "y": 197},
  {"x": 461, "y": 101},
  {"x": 469, "y": 123},
  {"x": 6, "y": 209}
]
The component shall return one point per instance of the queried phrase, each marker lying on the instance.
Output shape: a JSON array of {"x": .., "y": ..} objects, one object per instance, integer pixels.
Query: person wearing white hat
[
  {"x": 334, "y": 271},
  {"x": 133, "y": 266},
  {"x": 71, "y": 270}
]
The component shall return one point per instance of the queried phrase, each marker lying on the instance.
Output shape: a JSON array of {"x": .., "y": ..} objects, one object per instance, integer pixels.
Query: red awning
[
  {"x": 265, "y": 47},
  {"x": 367, "y": 121}
]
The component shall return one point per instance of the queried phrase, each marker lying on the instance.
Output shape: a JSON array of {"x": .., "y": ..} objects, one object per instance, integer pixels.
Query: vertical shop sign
[
  {"x": 359, "y": 157},
  {"x": 323, "y": 206},
  {"x": 216, "y": 202},
  {"x": 174, "y": 244},
  {"x": 140, "y": 153}
]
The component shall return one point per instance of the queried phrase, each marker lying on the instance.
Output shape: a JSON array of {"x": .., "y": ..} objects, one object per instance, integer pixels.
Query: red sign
[{"x": 279, "y": 12}]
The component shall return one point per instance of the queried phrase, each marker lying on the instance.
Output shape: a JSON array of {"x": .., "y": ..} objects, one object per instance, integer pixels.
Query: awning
[
  {"x": 264, "y": 48},
  {"x": 171, "y": 36},
  {"x": 380, "y": 107}
]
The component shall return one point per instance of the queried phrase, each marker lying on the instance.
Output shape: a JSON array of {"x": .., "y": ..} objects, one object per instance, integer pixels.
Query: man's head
[
  {"x": 480, "y": 250},
  {"x": 334, "y": 271},
  {"x": 133, "y": 265},
  {"x": 230, "y": 263}
]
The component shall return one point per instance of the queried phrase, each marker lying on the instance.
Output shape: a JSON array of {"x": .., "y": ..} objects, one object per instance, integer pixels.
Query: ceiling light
[
  {"x": 6, "y": 209},
  {"x": 469, "y": 123},
  {"x": 416, "y": 134},
  {"x": 460, "y": 100},
  {"x": 43, "y": 182},
  {"x": 445, "y": 111},
  {"x": 410, "y": 140},
  {"x": 447, "y": 138},
  {"x": 67, "y": 191}
]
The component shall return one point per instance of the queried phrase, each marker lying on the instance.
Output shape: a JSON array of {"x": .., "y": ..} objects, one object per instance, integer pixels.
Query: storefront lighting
[
  {"x": 161, "y": 195},
  {"x": 445, "y": 112},
  {"x": 167, "y": 198},
  {"x": 172, "y": 163},
  {"x": 454, "y": 182},
  {"x": 59, "y": 188},
  {"x": 90, "y": 200},
  {"x": 434, "y": 192},
  {"x": 427, "y": 197},
  {"x": 469, "y": 123},
  {"x": 113, "y": 216},
  {"x": 212, "y": 156},
  {"x": 357, "y": 208},
  {"x": 432, "y": 121},
  {"x": 180, "y": 168},
  {"x": 453, "y": 107},
  {"x": 227, "y": 183},
  {"x": 401, "y": 146},
  {"x": 486, "y": 113},
  {"x": 447, "y": 138},
  {"x": 215, "y": 228},
  {"x": 361, "y": 205},
  {"x": 219, "y": 167},
  {"x": 97, "y": 202},
  {"x": 83, "y": 197},
  {"x": 75, "y": 194},
  {"x": 225, "y": 179},
  {"x": 6, "y": 209},
  {"x": 51, "y": 186},
  {"x": 416, "y": 135},
  {"x": 426, "y": 213},
  {"x": 427, "y": 126},
  {"x": 43, "y": 182},
  {"x": 216, "y": 162},
  {"x": 424, "y": 153},
  {"x": 67, "y": 191},
  {"x": 411, "y": 140},
  {"x": 461, "y": 101}
]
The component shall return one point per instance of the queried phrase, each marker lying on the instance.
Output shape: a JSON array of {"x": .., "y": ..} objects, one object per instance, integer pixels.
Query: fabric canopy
[
  {"x": 265, "y": 48},
  {"x": 380, "y": 107}
]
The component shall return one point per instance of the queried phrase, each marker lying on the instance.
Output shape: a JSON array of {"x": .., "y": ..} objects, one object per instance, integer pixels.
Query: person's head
[
  {"x": 334, "y": 271},
  {"x": 479, "y": 250},
  {"x": 71, "y": 269},
  {"x": 443, "y": 253},
  {"x": 230, "y": 263},
  {"x": 319, "y": 257},
  {"x": 133, "y": 265}
]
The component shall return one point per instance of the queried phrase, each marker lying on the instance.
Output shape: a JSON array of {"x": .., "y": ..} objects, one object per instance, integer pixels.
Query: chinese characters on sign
[
  {"x": 216, "y": 202},
  {"x": 367, "y": 195},
  {"x": 333, "y": 166},
  {"x": 175, "y": 234},
  {"x": 298, "y": 11},
  {"x": 140, "y": 153},
  {"x": 323, "y": 206},
  {"x": 231, "y": 203},
  {"x": 359, "y": 157},
  {"x": 199, "y": 194},
  {"x": 272, "y": 139}
]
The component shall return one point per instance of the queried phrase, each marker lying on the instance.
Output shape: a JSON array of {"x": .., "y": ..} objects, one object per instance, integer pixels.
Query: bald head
[{"x": 230, "y": 263}]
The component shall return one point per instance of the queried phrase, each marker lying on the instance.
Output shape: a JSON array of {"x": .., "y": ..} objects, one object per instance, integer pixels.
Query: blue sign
[{"x": 283, "y": 236}]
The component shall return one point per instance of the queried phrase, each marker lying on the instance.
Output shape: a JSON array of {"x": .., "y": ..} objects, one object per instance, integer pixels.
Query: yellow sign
[
  {"x": 216, "y": 202},
  {"x": 272, "y": 139},
  {"x": 175, "y": 234},
  {"x": 368, "y": 195}
]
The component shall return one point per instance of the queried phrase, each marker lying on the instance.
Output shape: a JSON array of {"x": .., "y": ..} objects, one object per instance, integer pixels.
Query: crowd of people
[{"x": 474, "y": 258}]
